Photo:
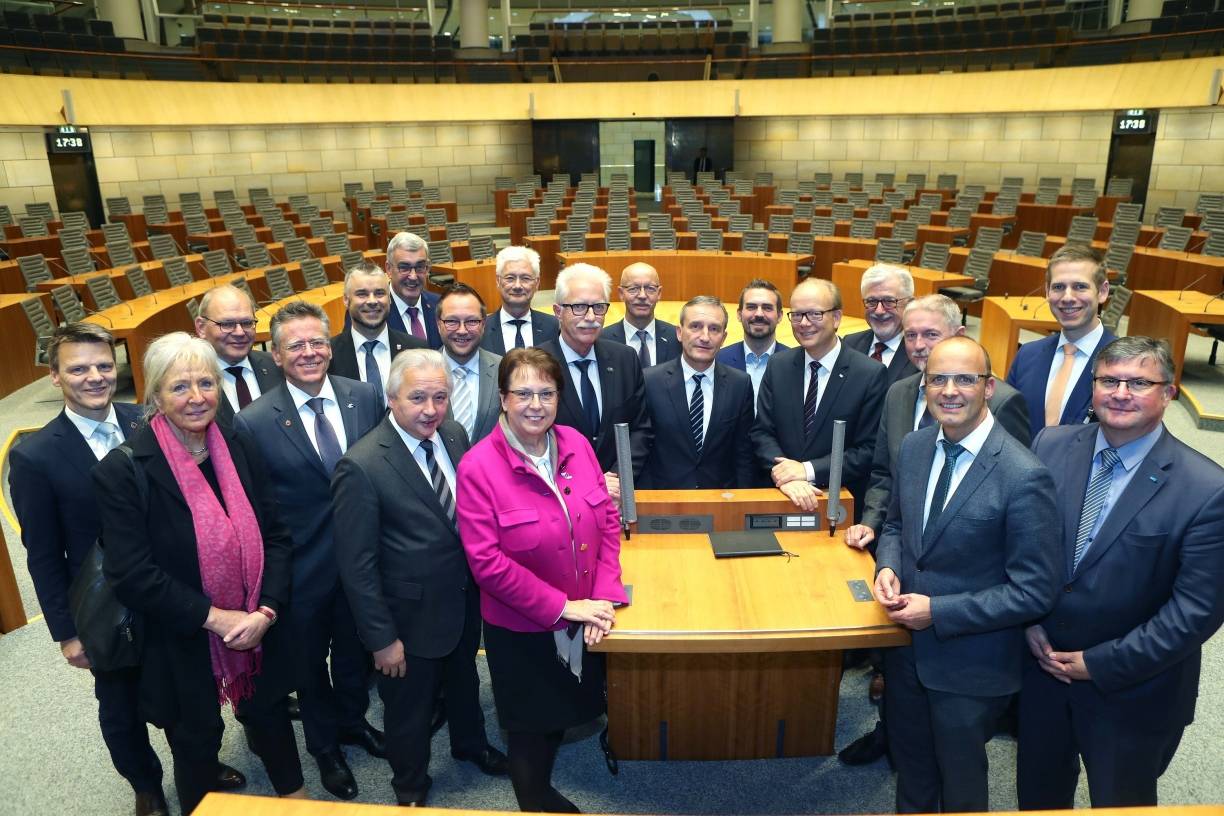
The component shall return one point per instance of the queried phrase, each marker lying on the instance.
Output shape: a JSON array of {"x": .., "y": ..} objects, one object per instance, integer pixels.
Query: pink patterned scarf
[{"x": 230, "y": 549}]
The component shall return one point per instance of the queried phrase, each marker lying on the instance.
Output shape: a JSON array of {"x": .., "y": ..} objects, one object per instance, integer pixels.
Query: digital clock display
[
  {"x": 75, "y": 142},
  {"x": 1135, "y": 120}
]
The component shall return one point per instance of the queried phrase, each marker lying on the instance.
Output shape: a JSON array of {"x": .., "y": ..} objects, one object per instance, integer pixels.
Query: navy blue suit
[
  {"x": 1140, "y": 604},
  {"x": 320, "y": 618},
  {"x": 544, "y": 327},
  {"x": 53, "y": 496},
  {"x": 1030, "y": 372},
  {"x": 428, "y": 304},
  {"x": 667, "y": 347},
  {"x": 733, "y": 355}
]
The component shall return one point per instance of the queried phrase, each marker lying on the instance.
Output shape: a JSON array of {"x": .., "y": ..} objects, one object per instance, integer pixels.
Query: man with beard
[
  {"x": 364, "y": 351},
  {"x": 475, "y": 402},
  {"x": 760, "y": 309},
  {"x": 885, "y": 289},
  {"x": 516, "y": 324}
]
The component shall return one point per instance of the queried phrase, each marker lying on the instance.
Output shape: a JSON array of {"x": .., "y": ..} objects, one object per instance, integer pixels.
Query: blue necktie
[
  {"x": 951, "y": 452},
  {"x": 325, "y": 436},
  {"x": 1094, "y": 500},
  {"x": 590, "y": 404}
]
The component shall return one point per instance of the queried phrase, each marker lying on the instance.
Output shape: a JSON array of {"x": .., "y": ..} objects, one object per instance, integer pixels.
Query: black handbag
[{"x": 112, "y": 634}]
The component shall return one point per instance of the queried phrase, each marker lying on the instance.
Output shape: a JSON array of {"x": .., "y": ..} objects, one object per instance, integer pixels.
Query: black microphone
[
  {"x": 1191, "y": 283},
  {"x": 1024, "y": 306},
  {"x": 1214, "y": 298}
]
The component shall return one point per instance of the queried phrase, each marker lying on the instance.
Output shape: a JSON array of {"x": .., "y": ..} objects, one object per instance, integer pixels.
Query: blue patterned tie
[
  {"x": 697, "y": 413},
  {"x": 1094, "y": 500},
  {"x": 940, "y": 497},
  {"x": 325, "y": 436}
]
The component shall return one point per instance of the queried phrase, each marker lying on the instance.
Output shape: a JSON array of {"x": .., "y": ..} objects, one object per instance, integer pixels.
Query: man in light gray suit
[
  {"x": 461, "y": 323},
  {"x": 968, "y": 557}
]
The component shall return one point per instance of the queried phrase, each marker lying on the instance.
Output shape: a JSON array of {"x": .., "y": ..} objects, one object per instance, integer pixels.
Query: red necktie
[
  {"x": 417, "y": 329},
  {"x": 878, "y": 353}
]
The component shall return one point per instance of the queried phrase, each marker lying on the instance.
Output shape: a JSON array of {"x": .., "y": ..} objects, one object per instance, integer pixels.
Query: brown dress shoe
[{"x": 151, "y": 803}]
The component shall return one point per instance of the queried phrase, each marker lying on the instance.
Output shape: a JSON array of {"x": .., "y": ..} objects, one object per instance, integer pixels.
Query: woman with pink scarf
[{"x": 205, "y": 562}]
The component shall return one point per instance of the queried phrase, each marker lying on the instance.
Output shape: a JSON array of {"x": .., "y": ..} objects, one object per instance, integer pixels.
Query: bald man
[
  {"x": 653, "y": 341},
  {"x": 227, "y": 321}
]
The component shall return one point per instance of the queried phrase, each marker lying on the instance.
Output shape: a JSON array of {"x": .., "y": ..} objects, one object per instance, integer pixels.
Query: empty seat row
[{"x": 58, "y": 22}]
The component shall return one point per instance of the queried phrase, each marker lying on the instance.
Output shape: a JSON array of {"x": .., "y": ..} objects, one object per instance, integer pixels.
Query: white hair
[
  {"x": 167, "y": 351},
  {"x": 414, "y": 360},
  {"x": 881, "y": 273},
  {"x": 581, "y": 271},
  {"x": 407, "y": 241},
  {"x": 518, "y": 254}
]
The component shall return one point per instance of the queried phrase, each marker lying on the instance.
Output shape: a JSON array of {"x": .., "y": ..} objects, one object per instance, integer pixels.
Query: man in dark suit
[
  {"x": 413, "y": 307},
  {"x": 805, "y": 389},
  {"x": 653, "y": 341},
  {"x": 925, "y": 323},
  {"x": 302, "y": 427},
  {"x": 967, "y": 557},
  {"x": 475, "y": 401},
  {"x": 227, "y": 321},
  {"x": 53, "y": 496},
  {"x": 1055, "y": 373},
  {"x": 406, "y": 576},
  {"x": 367, "y": 298},
  {"x": 886, "y": 289},
  {"x": 760, "y": 310},
  {"x": 516, "y": 324},
  {"x": 702, "y": 164},
  {"x": 1114, "y": 670},
  {"x": 603, "y": 380},
  {"x": 701, "y": 412}
]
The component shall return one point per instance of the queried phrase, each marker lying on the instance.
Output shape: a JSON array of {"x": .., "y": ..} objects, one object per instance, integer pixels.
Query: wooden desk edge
[{"x": 748, "y": 642}]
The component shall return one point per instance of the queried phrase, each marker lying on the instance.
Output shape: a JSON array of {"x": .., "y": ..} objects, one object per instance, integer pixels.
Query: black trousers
[
  {"x": 194, "y": 744},
  {"x": 408, "y": 704},
  {"x": 1123, "y": 759},
  {"x": 937, "y": 740},
  {"x": 124, "y": 730},
  {"x": 335, "y": 703}
]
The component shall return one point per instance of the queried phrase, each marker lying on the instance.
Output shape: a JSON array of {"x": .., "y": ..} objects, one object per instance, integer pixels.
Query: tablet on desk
[{"x": 740, "y": 544}]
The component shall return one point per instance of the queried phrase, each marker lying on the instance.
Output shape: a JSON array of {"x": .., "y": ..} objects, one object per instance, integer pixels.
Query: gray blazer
[
  {"x": 488, "y": 405},
  {"x": 990, "y": 563}
]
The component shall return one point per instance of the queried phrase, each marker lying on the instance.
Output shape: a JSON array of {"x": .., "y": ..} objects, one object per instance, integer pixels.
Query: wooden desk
[
  {"x": 480, "y": 275},
  {"x": 1002, "y": 320},
  {"x": 549, "y": 245},
  {"x": 17, "y": 368},
  {"x": 1052, "y": 219},
  {"x": 12, "y": 611},
  {"x": 1169, "y": 314},
  {"x": 154, "y": 270},
  {"x": 770, "y": 628},
  {"x": 686, "y": 273},
  {"x": 827, "y": 251},
  {"x": 849, "y": 275}
]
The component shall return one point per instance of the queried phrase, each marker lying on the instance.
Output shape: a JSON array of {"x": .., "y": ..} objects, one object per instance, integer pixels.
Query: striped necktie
[
  {"x": 1094, "y": 500},
  {"x": 697, "y": 413},
  {"x": 809, "y": 401},
  {"x": 441, "y": 488}
]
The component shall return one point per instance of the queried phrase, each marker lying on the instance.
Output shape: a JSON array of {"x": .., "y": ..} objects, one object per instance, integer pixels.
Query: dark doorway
[
  {"x": 566, "y": 148},
  {"x": 76, "y": 185},
  {"x": 1130, "y": 156},
  {"x": 686, "y": 137},
  {"x": 643, "y": 164}
]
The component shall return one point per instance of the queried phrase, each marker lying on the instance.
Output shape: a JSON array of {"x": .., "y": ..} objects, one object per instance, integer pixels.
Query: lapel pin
[
  {"x": 1153, "y": 478},
  {"x": 350, "y": 405},
  {"x": 609, "y": 369},
  {"x": 288, "y": 423}
]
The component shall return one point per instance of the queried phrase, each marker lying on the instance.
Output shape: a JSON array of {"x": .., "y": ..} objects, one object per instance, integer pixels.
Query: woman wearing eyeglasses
[{"x": 542, "y": 537}]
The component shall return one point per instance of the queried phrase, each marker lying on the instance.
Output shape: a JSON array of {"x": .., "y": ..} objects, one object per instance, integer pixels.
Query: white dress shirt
[
  {"x": 89, "y": 429},
  {"x": 755, "y": 365},
  {"x": 508, "y": 329},
  {"x": 890, "y": 348},
  {"x": 227, "y": 381},
  {"x": 1084, "y": 347},
  {"x": 382, "y": 354},
  {"x": 822, "y": 385},
  {"x": 576, "y": 373},
  {"x": 331, "y": 410},
  {"x": 972, "y": 443},
  {"x": 652, "y": 339},
  {"x": 440, "y": 455},
  {"x": 707, "y": 391}
]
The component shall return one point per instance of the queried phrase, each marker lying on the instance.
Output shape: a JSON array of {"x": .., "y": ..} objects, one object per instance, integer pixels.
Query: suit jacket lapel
[
  {"x": 571, "y": 405},
  {"x": 487, "y": 402},
  {"x": 73, "y": 446},
  {"x": 979, "y": 469},
  {"x": 348, "y": 410},
  {"x": 1150, "y": 476},
  {"x": 609, "y": 388},
  {"x": 676, "y": 388},
  {"x": 402, "y": 461},
  {"x": 901, "y": 421},
  {"x": 1077, "y": 466},
  {"x": 919, "y": 474},
  {"x": 289, "y": 422},
  {"x": 833, "y": 387}
]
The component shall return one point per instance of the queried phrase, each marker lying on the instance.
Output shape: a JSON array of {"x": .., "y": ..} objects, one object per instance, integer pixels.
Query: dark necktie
[
  {"x": 518, "y": 332},
  {"x": 240, "y": 385},
  {"x": 441, "y": 489},
  {"x": 373, "y": 372},
  {"x": 643, "y": 349},
  {"x": 951, "y": 452},
  {"x": 697, "y": 413},
  {"x": 325, "y": 436},
  {"x": 877, "y": 353},
  {"x": 809, "y": 401},
  {"x": 590, "y": 404},
  {"x": 1094, "y": 500},
  {"x": 926, "y": 420},
  {"x": 415, "y": 325}
]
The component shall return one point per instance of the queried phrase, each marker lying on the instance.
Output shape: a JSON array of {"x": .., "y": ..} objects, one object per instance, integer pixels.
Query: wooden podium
[{"x": 736, "y": 658}]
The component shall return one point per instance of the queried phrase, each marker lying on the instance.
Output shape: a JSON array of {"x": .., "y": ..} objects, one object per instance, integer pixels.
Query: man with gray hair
[
  {"x": 302, "y": 427},
  {"x": 413, "y": 307},
  {"x": 364, "y": 350},
  {"x": 406, "y": 576},
  {"x": 1113, "y": 673},
  {"x": 516, "y": 324},
  {"x": 885, "y": 289},
  {"x": 603, "y": 379},
  {"x": 227, "y": 321}
]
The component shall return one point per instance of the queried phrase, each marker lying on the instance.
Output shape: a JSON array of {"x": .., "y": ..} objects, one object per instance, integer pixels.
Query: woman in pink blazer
[{"x": 543, "y": 539}]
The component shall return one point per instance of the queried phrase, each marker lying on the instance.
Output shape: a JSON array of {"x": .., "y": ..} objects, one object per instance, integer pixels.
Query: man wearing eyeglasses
[
  {"x": 302, "y": 427},
  {"x": 653, "y": 341},
  {"x": 516, "y": 324},
  {"x": 968, "y": 556},
  {"x": 603, "y": 380},
  {"x": 805, "y": 390},
  {"x": 413, "y": 307},
  {"x": 1113, "y": 671},
  {"x": 474, "y": 401},
  {"x": 227, "y": 321},
  {"x": 365, "y": 349},
  {"x": 886, "y": 290}
]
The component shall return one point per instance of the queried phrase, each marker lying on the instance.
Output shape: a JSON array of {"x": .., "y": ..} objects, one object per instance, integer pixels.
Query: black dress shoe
[
  {"x": 866, "y": 749},
  {"x": 488, "y": 759},
  {"x": 368, "y": 738},
  {"x": 229, "y": 778},
  {"x": 295, "y": 708},
  {"x": 335, "y": 775},
  {"x": 151, "y": 803},
  {"x": 414, "y": 798}
]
